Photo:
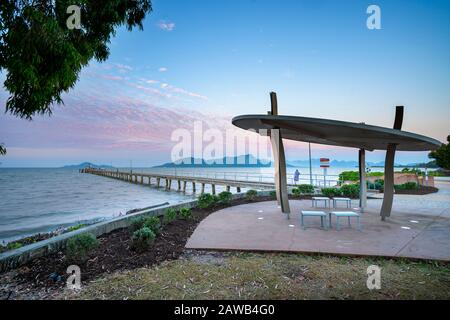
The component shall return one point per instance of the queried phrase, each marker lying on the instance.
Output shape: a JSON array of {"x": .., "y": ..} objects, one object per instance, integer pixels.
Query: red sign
[{"x": 324, "y": 162}]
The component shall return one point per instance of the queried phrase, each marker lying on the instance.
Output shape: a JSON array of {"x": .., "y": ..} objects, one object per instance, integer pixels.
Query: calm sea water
[{"x": 41, "y": 200}]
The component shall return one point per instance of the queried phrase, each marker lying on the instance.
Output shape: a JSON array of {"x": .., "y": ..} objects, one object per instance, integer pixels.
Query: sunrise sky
[{"x": 211, "y": 60}]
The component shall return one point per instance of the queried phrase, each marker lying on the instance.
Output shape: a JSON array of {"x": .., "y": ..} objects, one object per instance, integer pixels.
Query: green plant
[
  {"x": 350, "y": 190},
  {"x": 153, "y": 223},
  {"x": 273, "y": 194},
  {"x": 406, "y": 186},
  {"x": 142, "y": 239},
  {"x": 137, "y": 223},
  {"x": 251, "y": 194},
  {"x": 331, "y": 192},
  {"x": 225, "y": 197},
  {"x": 14, "y": 245},
  {"x": 79, "y": 246},
  {"x": 186, "y": 213},
  {"x": 305, "y": 188},
  {"x": 170, "y": 215},
  {"x": 206, "y": 200},
  {"x": 442, "y": 155},
  {"x": 296, "y": 191},
  {"x": 349, "y": 176},
  {"x": 73, "y": 228}
]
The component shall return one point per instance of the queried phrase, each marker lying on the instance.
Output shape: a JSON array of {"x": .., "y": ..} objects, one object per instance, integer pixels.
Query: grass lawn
[{"x": 210, "y": 275}]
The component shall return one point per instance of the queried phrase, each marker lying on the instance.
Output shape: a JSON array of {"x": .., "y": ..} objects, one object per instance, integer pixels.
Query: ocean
[{"x": 42, "y": 200}]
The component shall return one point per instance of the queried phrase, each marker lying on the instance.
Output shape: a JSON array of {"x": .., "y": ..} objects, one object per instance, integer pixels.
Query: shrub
[
  {"x": 153, "y": 223},
  {"x": 225, "y": 197},
  {"x": 206, "y": 200},
  {"x": 13, "y": 245},
  {"x": 349, "y": 176},
  {"x": 305, "y": 188},
  {"x": 273, "y": 194},
  {"x": 137, "y": 223},
  {"x": 251, "y": 194},
  {"x": 79, "y": 247},
  {"x": 170, "y": 215},
  {"x": 186, "y": 213},
  {"x": 296, "y": 191},
  {"x": 350, "y": 190},
  {"x": 331, "y": 192},
  {"x": 407, "y": 186},
  {"x": 73, "y": 228},
  {"x": 142, "y": 239}
]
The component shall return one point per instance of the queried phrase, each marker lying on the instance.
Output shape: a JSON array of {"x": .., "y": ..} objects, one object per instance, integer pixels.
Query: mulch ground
[{"x": 112, "y": 254}]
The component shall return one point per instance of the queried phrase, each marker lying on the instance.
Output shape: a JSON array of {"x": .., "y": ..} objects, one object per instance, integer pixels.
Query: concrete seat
[
  {"x": 345, "y": 214},
  {"x": 320, "y": 214},
  {"x": 348, "y": 201},
  {"x": 317, "y": 199}
]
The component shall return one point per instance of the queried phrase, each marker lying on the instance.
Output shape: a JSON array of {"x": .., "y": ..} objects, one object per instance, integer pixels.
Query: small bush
[
  {"x": 331, "y": 192},
  {"x": 225, "y": 197},
  {"x": 350, "y": 190},
  {"x": 14, "y": 245},
  {"x": 137, "y": 223},
  {"x": 273, "y": 194},
  {"x": 305, "y": 188},
  {"x": 79, "y": 247},
  {"x": 154, "y": 224},
  {"x": 251, "y": 194},
  {"x": 407, "y": 186},
  {"x": 186, "y": 213},
  {"x": 349, "y": 176},
  {"x": 296, "y": 192},
  {"x": 73, "y": 228},
  {"x": 170, "y": 215},
  {"x": 206, "y": 200},
  {"x": 142, "y": 239}
]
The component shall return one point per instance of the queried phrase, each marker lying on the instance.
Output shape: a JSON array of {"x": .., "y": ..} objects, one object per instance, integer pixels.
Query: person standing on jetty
[{"x": 296, "y": 176}]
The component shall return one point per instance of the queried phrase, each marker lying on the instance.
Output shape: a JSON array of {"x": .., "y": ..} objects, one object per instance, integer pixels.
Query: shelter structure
[{"x": 362, "y": 136}]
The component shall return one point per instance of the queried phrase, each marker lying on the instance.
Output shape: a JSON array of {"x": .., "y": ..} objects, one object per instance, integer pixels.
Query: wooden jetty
[{"x": 164, "y": 180}]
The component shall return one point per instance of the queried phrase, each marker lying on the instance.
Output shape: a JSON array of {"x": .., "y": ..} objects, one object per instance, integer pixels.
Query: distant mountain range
[
  {"x": 86, "y": 165},
  {"x": 249, "y": 161},
  {"x": 244, "y": 161}
]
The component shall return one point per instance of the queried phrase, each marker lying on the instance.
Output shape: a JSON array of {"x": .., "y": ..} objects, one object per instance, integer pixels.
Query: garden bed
[
  {"x": 112, "y": 254},
  {"x": 422, "y": 190}
]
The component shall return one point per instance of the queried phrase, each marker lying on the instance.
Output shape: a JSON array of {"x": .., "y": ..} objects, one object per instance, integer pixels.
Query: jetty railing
[{"x": 238, "y": 180}]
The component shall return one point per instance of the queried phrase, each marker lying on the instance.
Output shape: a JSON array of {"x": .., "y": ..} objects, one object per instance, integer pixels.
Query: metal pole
[{"x": 310, "y": 165}]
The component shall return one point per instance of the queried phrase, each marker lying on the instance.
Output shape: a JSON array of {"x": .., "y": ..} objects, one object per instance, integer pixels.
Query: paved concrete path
[{"x": 419, "y": 227}]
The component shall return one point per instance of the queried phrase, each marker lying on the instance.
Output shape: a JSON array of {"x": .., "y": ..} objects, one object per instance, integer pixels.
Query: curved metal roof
[{"x": 337, "y": 133}]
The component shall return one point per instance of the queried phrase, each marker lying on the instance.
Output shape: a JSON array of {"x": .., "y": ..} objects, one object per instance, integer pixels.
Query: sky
[{"x": 208, "y": 61}]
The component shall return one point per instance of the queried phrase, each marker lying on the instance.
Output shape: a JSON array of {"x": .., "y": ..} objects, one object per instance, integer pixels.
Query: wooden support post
[
  {"x": 184, "y": 186},
  {"x": 158, "y": 181},
  {"x": 142, "y": 179},
  {"x": 193, "y": 187},
  {"x": 228, "y": 188},
  {"x": 179, "y": 185},
  {"x": 170, "y": 184},
  {"x": 203, "y": 188},
  {"x": 238, "y": 189},
  {"x": 362, "y": 180},
  {"x": 213, "y": 188}
]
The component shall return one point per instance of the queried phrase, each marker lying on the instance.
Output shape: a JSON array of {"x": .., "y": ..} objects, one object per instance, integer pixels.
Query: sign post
[{"x": 325, "y": 164}]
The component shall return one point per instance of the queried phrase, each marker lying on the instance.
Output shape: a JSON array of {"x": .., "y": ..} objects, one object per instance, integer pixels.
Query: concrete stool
[
  {"x": 324, "y": 199},
  {"x": 320, "y": 214},
  {"x": 339, "y": 199},
  {"x": 343, "y": 214}
]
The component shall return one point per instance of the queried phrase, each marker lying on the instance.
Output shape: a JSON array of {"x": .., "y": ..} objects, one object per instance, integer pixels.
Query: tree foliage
[
  {"x": 2, "y": 149},
  {"x": 43, "y": 57},
  {"x": 442, "y": 155}
]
